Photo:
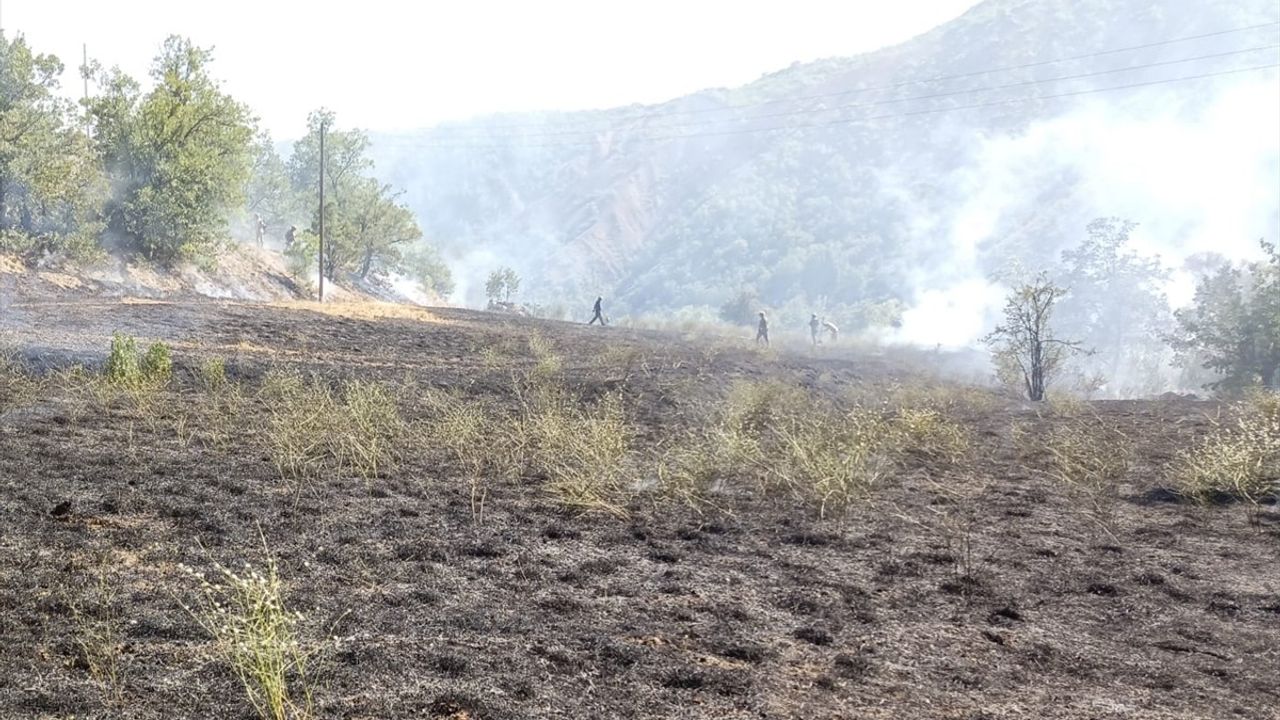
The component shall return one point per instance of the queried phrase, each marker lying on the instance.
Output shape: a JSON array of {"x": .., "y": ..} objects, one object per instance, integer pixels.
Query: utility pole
[{"x": 322, "y": 128}]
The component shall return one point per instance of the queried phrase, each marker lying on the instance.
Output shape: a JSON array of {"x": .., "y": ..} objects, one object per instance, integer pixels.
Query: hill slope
[{"x": 885, "y": 186}]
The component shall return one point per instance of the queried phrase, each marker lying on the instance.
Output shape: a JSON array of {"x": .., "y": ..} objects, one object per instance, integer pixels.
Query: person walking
[
  {"x": 762, "y": 330},
  {"x": 597, "y": 314}
]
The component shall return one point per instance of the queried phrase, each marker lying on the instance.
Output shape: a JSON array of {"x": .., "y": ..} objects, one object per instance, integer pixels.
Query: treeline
[
  {"x": 162, "y": 174},
  {"x": 1099, "y": 320}
]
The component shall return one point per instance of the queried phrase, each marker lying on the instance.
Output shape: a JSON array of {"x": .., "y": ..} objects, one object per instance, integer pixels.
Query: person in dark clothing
[
  {"x": 814, "y": 325},
  {"x": 597, "y": 314},
  {"x": 762, "y": 330},
  {"x": 289, "y": 237}
]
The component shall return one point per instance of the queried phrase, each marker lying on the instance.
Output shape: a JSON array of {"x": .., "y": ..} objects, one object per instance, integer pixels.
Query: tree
[
  {"x": 510, "y": 283},
  {"x": 424, "y": 264},
  {"x": 178, "y": 157},
  {"x": 1117, "y": 306},
  {"x": 50, "y": 187},
  {"x": 1233, "y": 326},
  {"x": 365, "y": 224},
  {"x": 269, "y": 192},
  {"x": 1026, "y": 350},
  {"x": 494, "y": 286}
]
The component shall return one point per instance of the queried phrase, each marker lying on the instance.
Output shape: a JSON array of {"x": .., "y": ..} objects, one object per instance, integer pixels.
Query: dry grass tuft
[
  {"x": 1240, "y": 458},
  {"x": 257, "y": 635},
  {"x": 313, "y": 428},
  {"x": 1091, "y": 457}
]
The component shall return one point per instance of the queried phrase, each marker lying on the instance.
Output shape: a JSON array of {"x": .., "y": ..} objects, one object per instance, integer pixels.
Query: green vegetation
[
  {"x": 158, "y": 173},
  {"x": 1233, "y": 327},
  {"x": 128, "y": 367},
  {"x": 50, "y": 183},
  {"x": 501, "y": 285}
]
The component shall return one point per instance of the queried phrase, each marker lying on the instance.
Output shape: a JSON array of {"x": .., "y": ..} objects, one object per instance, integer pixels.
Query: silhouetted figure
[
  {"x": 260, "y": 227},
  {"x": 762, "y": 330},
  {"x": 597, "y": 314},
  {"x": 814, "y": 325},
  {"x": 832, "y": 331},
  {"x": 288, "y": 237}
]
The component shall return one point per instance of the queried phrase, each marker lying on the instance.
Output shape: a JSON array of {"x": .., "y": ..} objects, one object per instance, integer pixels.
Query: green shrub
[{"x": 128, "y": 367}]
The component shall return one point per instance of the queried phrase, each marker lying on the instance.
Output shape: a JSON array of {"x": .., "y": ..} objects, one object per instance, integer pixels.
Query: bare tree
[{"x": 1024, "y": 345}]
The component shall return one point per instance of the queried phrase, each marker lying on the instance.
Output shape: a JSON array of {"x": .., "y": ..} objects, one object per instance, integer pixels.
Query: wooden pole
[{"x": 322, "y": 211}]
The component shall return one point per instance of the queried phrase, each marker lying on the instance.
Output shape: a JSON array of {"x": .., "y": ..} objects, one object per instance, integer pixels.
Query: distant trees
[
  {"x": 424, "y": 264},
  {"x": 366, "y": 228},
  {"x": 1028, "y": 353},
  {"x": 178, "y": 157},
  {"x": 501, "y": 285},
  {"x": 1233, "y": 326},
  {"x": 1116, "y": 307},
  {"x": 50, "y": 186}
]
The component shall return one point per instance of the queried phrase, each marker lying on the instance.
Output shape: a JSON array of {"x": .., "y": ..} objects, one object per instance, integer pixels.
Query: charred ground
[{"x": 752, "y": 606}]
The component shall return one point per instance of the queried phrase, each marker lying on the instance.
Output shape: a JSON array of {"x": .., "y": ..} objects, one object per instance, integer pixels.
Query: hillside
[
  {"x": 489, "y": 518},
  {"x": 892, "y": 189}
]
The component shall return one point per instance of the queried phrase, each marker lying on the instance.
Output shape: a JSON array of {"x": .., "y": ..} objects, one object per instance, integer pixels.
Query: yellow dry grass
[{"x": 361, "y": 310}]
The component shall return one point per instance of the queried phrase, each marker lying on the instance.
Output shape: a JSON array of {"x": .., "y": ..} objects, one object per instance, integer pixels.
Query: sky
[{"x": 384, "y": 65}]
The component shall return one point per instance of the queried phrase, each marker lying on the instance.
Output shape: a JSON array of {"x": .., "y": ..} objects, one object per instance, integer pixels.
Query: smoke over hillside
[{"x": 892, "y": 191}]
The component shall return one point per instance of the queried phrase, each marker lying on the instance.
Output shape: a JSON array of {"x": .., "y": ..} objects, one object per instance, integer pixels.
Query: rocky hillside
[{"x": 853, "y": 185}]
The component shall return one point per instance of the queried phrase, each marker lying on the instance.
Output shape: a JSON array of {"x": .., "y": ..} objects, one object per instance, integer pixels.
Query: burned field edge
[{"x": 496, "y": 519}]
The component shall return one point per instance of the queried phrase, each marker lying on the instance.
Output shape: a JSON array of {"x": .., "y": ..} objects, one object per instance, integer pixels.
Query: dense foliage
[
  {"x": 167, "y": 173},
  {"x": 1233, "y": 327}
]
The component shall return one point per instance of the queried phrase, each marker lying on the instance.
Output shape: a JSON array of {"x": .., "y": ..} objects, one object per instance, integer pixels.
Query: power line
[
  {"x": 889, "y": 86},
  {"x": 846, "y": 121},
  {"x": 910, "y": 98}
]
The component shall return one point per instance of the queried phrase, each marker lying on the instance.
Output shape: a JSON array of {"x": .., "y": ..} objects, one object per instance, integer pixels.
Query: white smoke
[{"x": 1195, "y": 181}]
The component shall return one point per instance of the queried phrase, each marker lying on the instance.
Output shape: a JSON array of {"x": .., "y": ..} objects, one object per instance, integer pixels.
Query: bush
[
  {"x": 128, "y": 367},
  {"x": 1239, "y": 459}
]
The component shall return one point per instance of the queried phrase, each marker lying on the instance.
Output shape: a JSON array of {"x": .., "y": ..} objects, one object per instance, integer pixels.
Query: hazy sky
[{"x": 386, "y": 65}]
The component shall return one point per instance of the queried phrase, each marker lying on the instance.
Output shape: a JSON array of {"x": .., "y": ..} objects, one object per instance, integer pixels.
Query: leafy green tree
[
  {"x": 270, "y": 192},
  {"x": 1233, "y": 325},
  {"x": 1117, "y": 306},
  {"x": 510, "y": 283},
  {"x": 50, "y": 187},
  {"x": 1027, "y": 352},
  {"x": 178, "y": 156},
  {"x": 423, "y": 263},
  {"x": 366, "y": 226},
  {"x": 494, "y": 286}
]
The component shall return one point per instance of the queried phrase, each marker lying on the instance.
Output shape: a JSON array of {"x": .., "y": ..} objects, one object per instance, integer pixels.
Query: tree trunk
[{"x": 366, "y": 264}]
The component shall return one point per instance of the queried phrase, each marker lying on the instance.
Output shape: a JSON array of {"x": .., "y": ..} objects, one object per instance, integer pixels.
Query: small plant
[
  {"x": 17, "y": 386},
  {"x": 257, "y": 635},
  {"x": 930, "y": 433},
  {"x": 1091, "y": 458},
  {"x": 831, "y": 461},
  {"x": 580, "y": 452},
  {"x": 213, "y": 374},
  {"x": 123, "y": 362},
  {"x": 548, "y": 365},
  {"x": 157, "y": 364},
  {"x": 313, "y": 428},
  {"x": 99, "y": 630},
  {"x": 129, "y": 368}
]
